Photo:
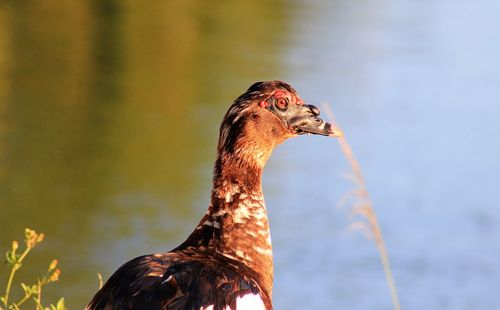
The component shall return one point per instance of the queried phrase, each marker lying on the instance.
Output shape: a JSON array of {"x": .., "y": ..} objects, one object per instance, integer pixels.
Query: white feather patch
[
  {"x": 245, "y": 302},
  {"x": 249, "y": 302}
]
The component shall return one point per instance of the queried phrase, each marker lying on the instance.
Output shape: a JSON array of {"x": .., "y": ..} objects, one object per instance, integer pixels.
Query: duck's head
[{"x": 265, "y": 115}]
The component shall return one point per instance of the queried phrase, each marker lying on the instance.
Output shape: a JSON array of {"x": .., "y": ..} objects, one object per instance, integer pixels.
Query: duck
[{"x": 226, "y": 263}]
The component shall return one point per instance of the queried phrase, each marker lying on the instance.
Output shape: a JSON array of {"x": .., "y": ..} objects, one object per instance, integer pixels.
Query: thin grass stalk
[{"x": 365, "y": 209}]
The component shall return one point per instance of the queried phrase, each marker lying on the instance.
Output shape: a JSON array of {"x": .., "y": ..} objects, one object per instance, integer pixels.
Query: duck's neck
[{"x": 236, "y": 224}]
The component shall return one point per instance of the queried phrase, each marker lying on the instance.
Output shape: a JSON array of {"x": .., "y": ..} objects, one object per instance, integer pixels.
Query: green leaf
[
  {"x": 60, "y": 304},
  {"x": 11, "y": 258},
  {"x": 29, "y": 290},
  {"x": 26, "y": 288}
]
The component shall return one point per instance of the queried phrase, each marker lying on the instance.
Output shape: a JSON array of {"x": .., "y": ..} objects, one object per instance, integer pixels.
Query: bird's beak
[{"x": 307, "y": 121}]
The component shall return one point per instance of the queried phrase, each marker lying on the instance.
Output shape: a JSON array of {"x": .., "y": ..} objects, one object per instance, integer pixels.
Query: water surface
[{"x": 109, "y": 114}]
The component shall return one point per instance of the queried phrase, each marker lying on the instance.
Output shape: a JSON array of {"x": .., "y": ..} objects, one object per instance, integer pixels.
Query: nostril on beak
[{"x": 314, "y": 109}]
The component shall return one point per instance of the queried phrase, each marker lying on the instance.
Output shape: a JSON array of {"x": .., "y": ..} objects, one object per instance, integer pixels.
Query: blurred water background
[{"x": 109, "y": 112}]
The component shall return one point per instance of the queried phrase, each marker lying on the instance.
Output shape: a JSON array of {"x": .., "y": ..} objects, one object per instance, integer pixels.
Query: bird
[{"x": 226, "y": 263}]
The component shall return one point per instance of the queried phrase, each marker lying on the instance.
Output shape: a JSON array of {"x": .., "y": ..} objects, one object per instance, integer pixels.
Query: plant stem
[
  {"x": 9, "y": 283},
  {"x": 21, "y": 258},
  {"x": 388, "y": 274},
  {"x": 39, "y": 296},
  {"x": 368, "y": 211},
  {"x": 20, "y": 302},
  {"x": 15, "y": 267}
]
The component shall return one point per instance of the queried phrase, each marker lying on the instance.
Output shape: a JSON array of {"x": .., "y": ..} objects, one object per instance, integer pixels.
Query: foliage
[{"x": 32, "y": 292}]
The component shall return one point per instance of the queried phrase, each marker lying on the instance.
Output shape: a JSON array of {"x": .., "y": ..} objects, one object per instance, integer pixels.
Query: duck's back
[{"x": 179, "y": 281}]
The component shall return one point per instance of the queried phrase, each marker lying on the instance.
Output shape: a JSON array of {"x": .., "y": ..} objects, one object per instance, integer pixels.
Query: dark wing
[{"x": 175, "y": 281}]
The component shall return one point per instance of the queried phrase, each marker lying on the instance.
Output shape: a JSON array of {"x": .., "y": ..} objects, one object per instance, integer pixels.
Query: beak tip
[{"x": 336, "y": 133}]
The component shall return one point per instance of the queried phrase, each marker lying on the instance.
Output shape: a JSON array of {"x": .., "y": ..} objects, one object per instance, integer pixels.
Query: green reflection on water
[{"x": 109, "y": 118}]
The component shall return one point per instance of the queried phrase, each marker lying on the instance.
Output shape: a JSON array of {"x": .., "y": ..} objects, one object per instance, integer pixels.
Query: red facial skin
[{"x": 282, "y": 94}]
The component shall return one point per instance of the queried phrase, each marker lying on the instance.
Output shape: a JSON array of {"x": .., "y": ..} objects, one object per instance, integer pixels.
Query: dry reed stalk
[{"x": 362, "y": 206}]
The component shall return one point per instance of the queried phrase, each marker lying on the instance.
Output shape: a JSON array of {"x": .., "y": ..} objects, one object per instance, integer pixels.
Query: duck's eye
[{"x": 282, "y": 103}]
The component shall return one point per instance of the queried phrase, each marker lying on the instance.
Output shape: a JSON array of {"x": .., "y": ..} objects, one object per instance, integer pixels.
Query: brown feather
[{"x": 229, "y": 253}]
